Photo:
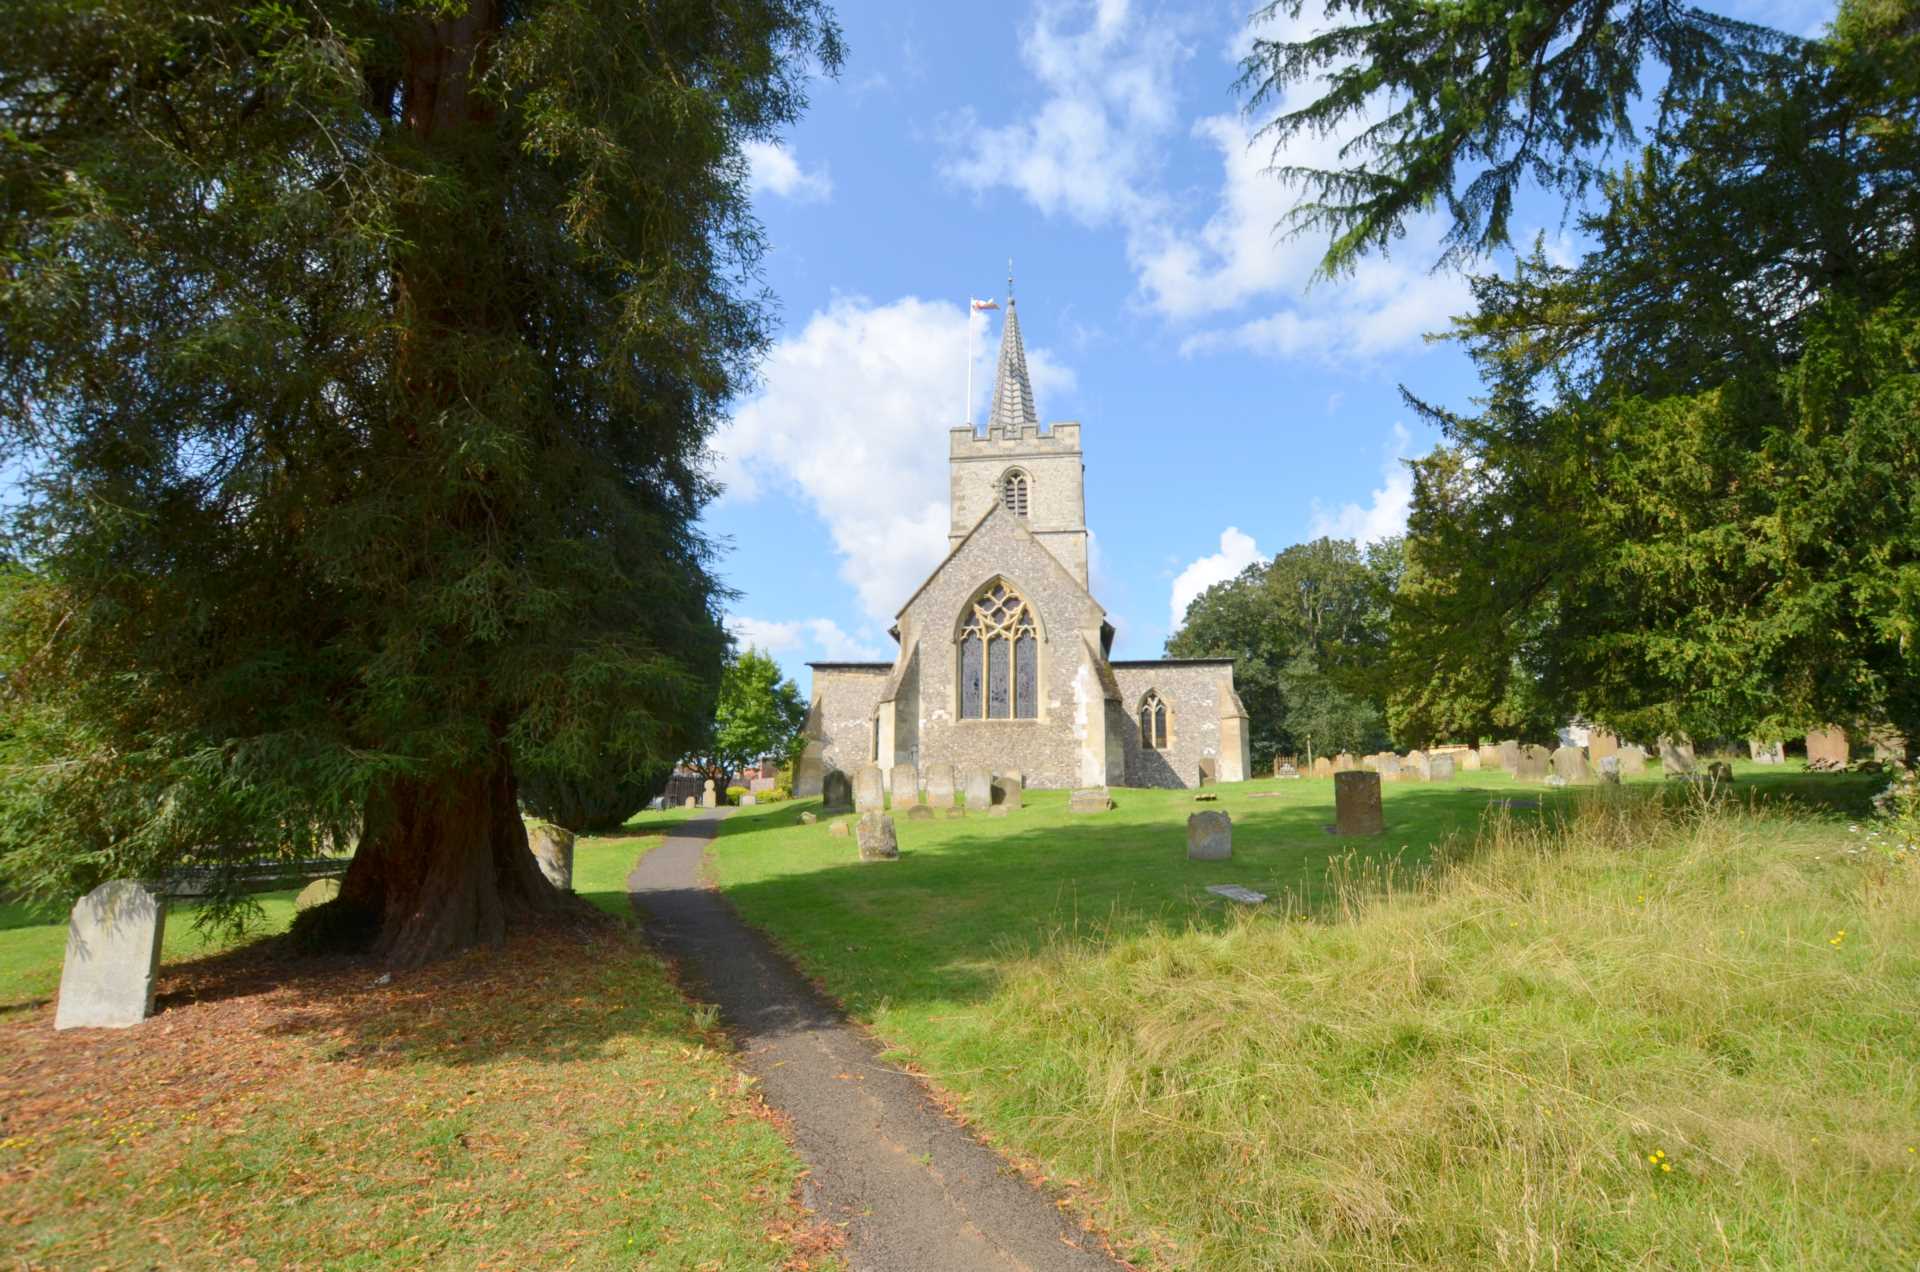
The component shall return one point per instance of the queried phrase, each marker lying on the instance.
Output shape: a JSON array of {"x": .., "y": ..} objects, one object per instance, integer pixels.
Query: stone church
[{"x": 1004, "y": 660}]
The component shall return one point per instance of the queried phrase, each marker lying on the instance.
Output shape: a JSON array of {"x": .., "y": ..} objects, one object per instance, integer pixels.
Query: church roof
[{"x": 1012, "y": 407}]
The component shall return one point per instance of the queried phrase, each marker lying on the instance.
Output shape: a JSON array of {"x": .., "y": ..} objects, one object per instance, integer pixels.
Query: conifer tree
[{"x": 360, "y": 357}]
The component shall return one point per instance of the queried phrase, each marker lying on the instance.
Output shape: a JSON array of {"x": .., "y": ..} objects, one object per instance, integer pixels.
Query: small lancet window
[
  {"x": 999, "y": 659},
  {"x": 1153, "y": 722},
  {"x": 1013, "y": 493}
]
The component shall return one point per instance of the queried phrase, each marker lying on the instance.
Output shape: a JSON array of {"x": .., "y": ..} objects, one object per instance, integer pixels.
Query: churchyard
[{"x": 1645, "y": 1023}]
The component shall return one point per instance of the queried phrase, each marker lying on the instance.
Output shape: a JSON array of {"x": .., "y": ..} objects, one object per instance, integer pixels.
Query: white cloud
[
  {"x": 1090, "y": 151},
  {"x": 1237, "y": 552},
  {"x": 774, "y": 170},
  {"x": 1385, "y": 513},
  {"x": 818, "y": 636},
  {"x": 852, "y": 416}
]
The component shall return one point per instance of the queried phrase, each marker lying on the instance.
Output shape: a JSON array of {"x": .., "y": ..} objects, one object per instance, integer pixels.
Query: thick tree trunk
[{"x": 446, "y": 865}]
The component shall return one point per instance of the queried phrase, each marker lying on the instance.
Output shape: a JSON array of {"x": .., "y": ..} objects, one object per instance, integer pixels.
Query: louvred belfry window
[
  {"x": 1013, "y": 493},
  {"x": 999, "y": 659}
]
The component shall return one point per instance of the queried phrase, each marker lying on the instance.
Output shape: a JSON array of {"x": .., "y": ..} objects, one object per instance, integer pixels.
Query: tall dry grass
[{"x": 1656, "y": 1033}]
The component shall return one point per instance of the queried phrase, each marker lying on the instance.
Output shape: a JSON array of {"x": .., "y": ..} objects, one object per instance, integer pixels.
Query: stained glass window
[
  {"x": 999, "y": 658},
  {"x": 1153, "y": 722}
]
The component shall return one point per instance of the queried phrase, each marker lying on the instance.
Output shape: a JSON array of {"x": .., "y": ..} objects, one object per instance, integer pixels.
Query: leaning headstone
[
  {"x": 1767, "y": 752},
  {"x": 1610, "y": 769},
  {"x": 1345, "y": 763},
  {"x": 113, "y": 957},
  {"x": 1208, "y": 770},
  {"x": 1570, "y": 762},
  {"x": 905, "y": 781},
  {"x": 1440, "y": 768},
  {"x": 553, "y": 848},
  {"x": 708, "y": 798},
  {"x": 1356, "y": 804},
  {"x": 940, "y": 785},
  {"x": 1633, "y": 760},
  {"x": 979, "y": 790},
  {"x": 869, "y": 790},
  {"x": 836, "y": 793},
  {"x": 1531, "y": 763},
  {"x": 319, "y": 892},
  {"x": 1089, "y": 799},
  {"x": 1827, "y": 747},
  {"x": 1009, "y": 790},
  {"x": 1509, "y": 752},
  {"x": 1601, "y": 743},
  {"x": 1209, "y": 836},
  {"x": 1676, "y": 755},
  {"x": 1323, "y": 767},
  {"x": 876, "y": 838}
]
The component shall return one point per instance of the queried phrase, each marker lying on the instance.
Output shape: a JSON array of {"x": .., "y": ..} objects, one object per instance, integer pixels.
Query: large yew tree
[{"x": 357, "y": 360}]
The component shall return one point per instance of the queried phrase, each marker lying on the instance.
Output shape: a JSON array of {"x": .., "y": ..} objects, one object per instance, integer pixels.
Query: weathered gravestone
[
  {"x": 1633, "y": 760},
  {"x": 1387, "y": 765},
  {"x": 808, "y": 819},
  {"x": 1440, "y": 768},
  {"x": 1509, "y": 753},
  {"x": 1208, "y": 768},
  {"x": 1610, "y": 769},
  {"x": 113, "y": 957},
  {"x": 1356, "y": 803},
  {"x": 1089, "y": 799},
  {"x": 1570, "y": 763},
  {"x": 319, "y": 892},
  {"x": 979, "y": 790},
  {"x": 1323, "y": 767},
  {"x": 1468, "y": 761},
  {"x": 1417, "y": 766},
  {"x": 1601, "y": 744},
  {"x": 836, "y": 793},
  {"x": 1209, "y": 836},
  {"x": 748, "y": 799},
  {"x": 690, "y": 801},
  {"x": 1828, "y": 747},
  {"x": 553, "y": 849},
  {"x": 1676, "y": 755},
  {"x": 838, "y": 828},
  {"x": 1531, "y": 763},
  {"x": 1720, "y": 771},
  {"x": 919, "y": 812},
  {"x": 1767, "y": 752},
  {"x": 1345, "y": 763},
  {"x": 940, "y": 786},
  {"x": 905, "y": 781},
  {"x": 708, "y": 799},
  {"x": 1286, "y": 771},
  {"x": 869, "y": 789},
  {"x": 876, "y": 838},
  {"x": 1009, "y": 790}
]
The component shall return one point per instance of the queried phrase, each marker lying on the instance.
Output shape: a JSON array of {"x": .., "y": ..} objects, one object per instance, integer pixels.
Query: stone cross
[
  {"x": 1209, "y": 836},
  {"x": 1356, "y": 803},
  {"x": 113, "y": 957}
]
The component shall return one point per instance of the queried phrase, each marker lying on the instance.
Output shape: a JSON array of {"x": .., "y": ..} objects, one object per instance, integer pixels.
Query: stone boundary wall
[{"x": 1192, "y": 693}]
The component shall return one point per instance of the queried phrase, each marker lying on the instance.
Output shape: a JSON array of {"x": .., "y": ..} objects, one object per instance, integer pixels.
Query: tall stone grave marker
[
  {"x": 1469, "y": 761},
  {"x": 1009, "y": 790},
  {"x": 906, "y": 786},
  {"x": 1388, "y": 766},
  {"x": 1345, "y": 763},
  {"x": 1570, "y": 762},
  {"x": 1828, "y": 746},
  {"x": 1356, "y": 803},
  {"x": 1209, "y": 836},
  {"x": 1676, "y": 755},
  {"x": 1509, "y": 752},
  {"x": 979, "y": 790},
  {"x": 1417, "y": 766},
  {"x": 1440, "y": 768},
  {"x": 708, "y": 797},
  {"x": 1633, "y": 760},
  {"x": 1323, "y": 767},
  {"x": 1601, "y": 743},
  {"x": 1531, "y": 763},
  {"x": 876, "y": 837},
  {"x": 836, "y": 792},
  {"x": 113, "y": 957},
  {"x": 940, "y": 786},
  {"x": 869, "y": 792}
]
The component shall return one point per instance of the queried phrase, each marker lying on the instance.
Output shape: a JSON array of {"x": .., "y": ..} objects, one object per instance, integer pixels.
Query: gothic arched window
[
  {"x": 999, "y": 658},
  {"x": 1153, "y": 722},
  {"x": 1013, "y": 492}
]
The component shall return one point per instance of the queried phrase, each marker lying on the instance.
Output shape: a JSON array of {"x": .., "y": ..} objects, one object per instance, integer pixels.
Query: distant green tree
[
  {"x": 759, "y": 715},
  {"x": 1313, "y": 619},
  {"x": 361, "y": 358},
  {"x": 1690, "y": 500}
]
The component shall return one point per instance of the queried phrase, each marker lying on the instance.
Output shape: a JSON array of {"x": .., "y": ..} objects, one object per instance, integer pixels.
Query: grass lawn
[
  {"x": 1602, "y": 1034},
  {"x": 556, "y": 1103}
]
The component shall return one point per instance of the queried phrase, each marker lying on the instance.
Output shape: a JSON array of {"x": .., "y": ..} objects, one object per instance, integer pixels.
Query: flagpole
[{"x": 969, "y": 404}]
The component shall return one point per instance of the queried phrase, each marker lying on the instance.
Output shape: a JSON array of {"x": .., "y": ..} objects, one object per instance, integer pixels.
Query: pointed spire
[{"x": 1012, "y": 407}]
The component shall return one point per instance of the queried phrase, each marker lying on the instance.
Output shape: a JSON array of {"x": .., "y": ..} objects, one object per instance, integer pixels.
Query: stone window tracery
[
  {"x": 1013, "y": 492},
  {"x": 999, "y": 658},
  {"x": 1153, "y": 722}
]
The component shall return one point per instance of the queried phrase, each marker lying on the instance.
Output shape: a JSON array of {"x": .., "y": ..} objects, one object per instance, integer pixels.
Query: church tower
[{"x": 1038, "y": 476}]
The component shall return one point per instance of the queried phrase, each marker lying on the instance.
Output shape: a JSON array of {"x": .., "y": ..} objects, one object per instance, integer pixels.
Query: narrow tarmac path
[{"x": 917, "y": 1193}]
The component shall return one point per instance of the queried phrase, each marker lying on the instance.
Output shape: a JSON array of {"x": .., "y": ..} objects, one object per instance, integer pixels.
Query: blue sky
[{"x": 1229, "y": 409}]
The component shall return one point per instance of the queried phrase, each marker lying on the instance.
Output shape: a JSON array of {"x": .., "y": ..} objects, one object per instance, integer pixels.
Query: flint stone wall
[{"x": 1192, "y": 694}]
